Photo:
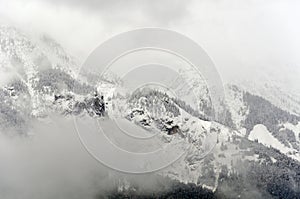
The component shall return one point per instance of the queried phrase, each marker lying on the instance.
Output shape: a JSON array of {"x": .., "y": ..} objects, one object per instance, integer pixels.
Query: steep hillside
[
  {"x": 252, "y": 153},
  {"x": 233, "y": 163}
]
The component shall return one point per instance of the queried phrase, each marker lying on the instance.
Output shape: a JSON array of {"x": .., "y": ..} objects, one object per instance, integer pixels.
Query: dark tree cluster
[
  {"x": 57, "y": 80},
  {"x": 261, "y": 179},
  {"x": 176, "y": 191},
  {"x": 155, "y": 98},
  {"x": 263, "y": 112}
]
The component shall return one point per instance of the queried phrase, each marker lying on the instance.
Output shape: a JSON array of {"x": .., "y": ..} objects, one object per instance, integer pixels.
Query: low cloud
[{"x": 52, "y": 163}]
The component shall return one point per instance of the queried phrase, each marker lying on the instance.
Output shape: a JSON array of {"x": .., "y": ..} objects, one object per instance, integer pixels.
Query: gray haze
[
  {"x": 54, "y": 164},
  {"x": 245, "y": 39}
]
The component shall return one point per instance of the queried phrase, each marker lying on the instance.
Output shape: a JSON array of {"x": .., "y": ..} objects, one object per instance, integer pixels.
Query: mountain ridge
[{"x": 46, "y": 83}]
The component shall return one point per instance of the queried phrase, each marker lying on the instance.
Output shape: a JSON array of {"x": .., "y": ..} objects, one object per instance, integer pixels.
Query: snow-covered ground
[
  {"x": 237, "y": 107},
  {"x": 261, "y": 134}
]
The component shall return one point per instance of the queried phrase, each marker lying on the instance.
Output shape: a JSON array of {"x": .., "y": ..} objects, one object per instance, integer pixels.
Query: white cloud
[{"x": 243, "y": 38}]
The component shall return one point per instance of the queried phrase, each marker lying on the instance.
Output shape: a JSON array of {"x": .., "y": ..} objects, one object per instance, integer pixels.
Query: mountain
[
  {"x": 252, "y": 112},
  {"x": 37, "y": 69},
  {"x": 278, "y": 87},
  {"x": 234, "y": 156},
  {"x": 254, "y": 152}
]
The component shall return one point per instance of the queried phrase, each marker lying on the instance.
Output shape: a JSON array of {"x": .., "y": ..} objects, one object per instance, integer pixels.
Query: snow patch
[{"x": 263, "y": 136}]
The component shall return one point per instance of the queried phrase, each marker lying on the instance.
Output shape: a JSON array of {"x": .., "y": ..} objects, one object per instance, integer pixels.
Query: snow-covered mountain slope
[
  {"x": 251, "y": 105},
  {"x": 35, "y": 68},
  {"x": 230, "y": 150},
  {"x": 26, "y": 54},
  {"x": 191, "y": 84},
  {"x": 259, "y": 139},
  {"x": 274, "y": 90},
  {"x": 249, "y": 110},
  {"x": 261, "y": 135}
]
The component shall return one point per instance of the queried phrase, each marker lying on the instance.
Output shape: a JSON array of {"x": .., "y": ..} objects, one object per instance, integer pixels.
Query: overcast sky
[{"x": 242, "y": 37}]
